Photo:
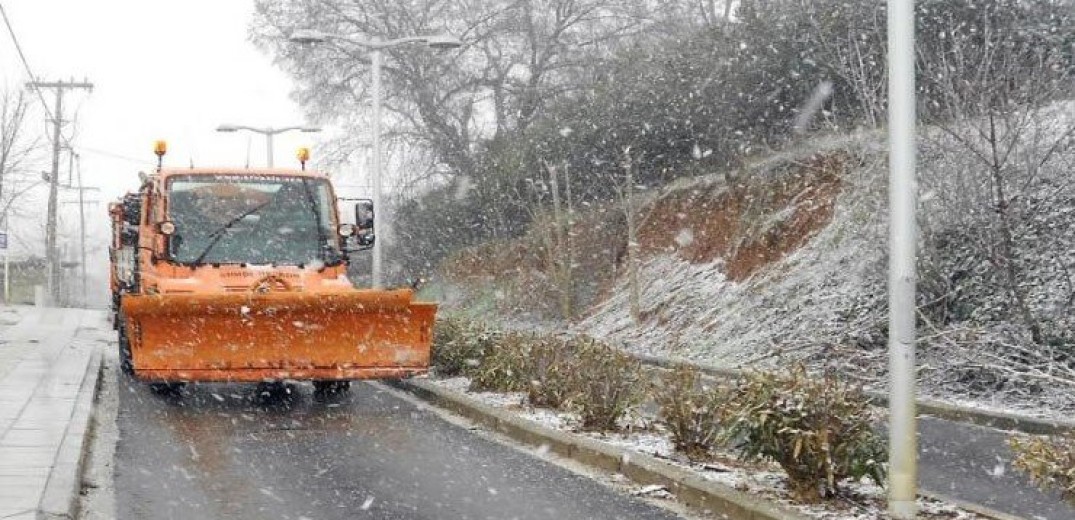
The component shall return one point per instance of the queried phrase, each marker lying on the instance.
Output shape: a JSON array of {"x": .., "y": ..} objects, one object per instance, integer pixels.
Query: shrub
[
  {"x": 458, "y": 345},
  {"x": 818, "y": 430},
  {"x": 607, "y": 384},
  {"x": 692, "y": 412},
  {"x": 505, "y": 366},
  {"x": 1049, "y": 461},
  {"x": 550, "y": 372}
]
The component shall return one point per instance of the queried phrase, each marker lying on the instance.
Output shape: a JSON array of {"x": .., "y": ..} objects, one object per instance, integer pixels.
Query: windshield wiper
[{"x": 219, "y": 233}]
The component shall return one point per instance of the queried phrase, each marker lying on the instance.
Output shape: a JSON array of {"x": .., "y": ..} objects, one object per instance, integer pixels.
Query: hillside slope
[{"x": 784, "y": 261}]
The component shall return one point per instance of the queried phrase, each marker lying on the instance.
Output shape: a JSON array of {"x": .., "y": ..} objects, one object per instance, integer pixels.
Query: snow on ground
[
  {"x": 797, "y": 306},
  {"x": 825, "y": 303},
  {"x": 860, "y": 500}
]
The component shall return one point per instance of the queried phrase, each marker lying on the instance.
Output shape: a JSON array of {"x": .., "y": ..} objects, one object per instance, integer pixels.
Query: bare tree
[
  {"x": 626, "y": 192},
  {"x": 519, "y": 55},
  {"x": 1004, "y": 132},
  {"x": 17, "y": 150}
]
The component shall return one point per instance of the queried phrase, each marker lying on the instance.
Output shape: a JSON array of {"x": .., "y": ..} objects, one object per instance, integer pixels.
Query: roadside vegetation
[
  {"x": 1048, "y": 461},
  {"x": 819, "y": 431}
]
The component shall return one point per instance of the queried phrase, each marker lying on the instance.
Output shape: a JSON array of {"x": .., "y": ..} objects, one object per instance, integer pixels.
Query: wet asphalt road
[
  {"x": 217, "y": 451},
  {"x": 973, "y": 463}
]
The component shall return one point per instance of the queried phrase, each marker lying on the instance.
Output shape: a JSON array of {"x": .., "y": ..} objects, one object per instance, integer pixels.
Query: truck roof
[{"x": 282, "y": 172}]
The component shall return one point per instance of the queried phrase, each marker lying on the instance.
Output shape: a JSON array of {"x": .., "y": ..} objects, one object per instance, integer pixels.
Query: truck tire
[
  {"x": 166, "y": 388},
  {"x": 126, "y": 365},
  {"x": 331, "y": 387}
]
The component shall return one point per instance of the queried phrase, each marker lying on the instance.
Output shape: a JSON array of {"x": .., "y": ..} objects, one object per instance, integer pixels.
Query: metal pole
[
  {"x": 82, "y": 233},
  {"x": 268, "y": 147},
  {"x": 52, "y": 263},
  {"x": 903, "y": 444},
  {"x": 7, "y": 259},
  {"x": 375, "y": 59}
]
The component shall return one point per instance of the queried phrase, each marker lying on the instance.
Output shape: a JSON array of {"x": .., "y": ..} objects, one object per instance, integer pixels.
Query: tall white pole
[
  {"x": 375, "y": 59},
  {"x": 7, "y": 259},
  {"x": 268, "y": 147},
  {"x": 903, "y": 444}
]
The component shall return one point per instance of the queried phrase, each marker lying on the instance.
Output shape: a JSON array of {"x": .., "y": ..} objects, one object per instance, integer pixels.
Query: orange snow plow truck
[{"x": 240, "y": 275}]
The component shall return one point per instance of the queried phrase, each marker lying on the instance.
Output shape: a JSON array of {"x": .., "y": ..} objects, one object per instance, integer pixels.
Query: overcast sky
[{"x": 170, "y": 70}]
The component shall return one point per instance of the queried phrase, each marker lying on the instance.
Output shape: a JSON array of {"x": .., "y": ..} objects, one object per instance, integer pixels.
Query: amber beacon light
[
  {"x": 160, "y": 147},
  {"x": 303, "y": 155}
]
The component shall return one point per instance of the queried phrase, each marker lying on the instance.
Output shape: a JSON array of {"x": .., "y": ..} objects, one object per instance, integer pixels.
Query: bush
[
  {"x": 551, "y": 378},
  {"x": 458, "y": 345},
  {"x": 693, "y": 413},
  {"x": 1049, "y": 461},
  {"x": 505, "y": 367},
  {"x": 818, "y": 430},
  {"x": 607, "y": 383}
]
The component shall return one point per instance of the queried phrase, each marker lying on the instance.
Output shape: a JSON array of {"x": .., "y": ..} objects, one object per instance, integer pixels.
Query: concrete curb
[
  {"x": 939, "y": 409},
  {"x": 60, "y": 498},
  {"x": 689, "y": 489},
  {"x": 970, "y": 506}
]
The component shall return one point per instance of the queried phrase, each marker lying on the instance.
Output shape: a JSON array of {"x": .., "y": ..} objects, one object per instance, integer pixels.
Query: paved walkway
[{"x": 48, "y": 374}]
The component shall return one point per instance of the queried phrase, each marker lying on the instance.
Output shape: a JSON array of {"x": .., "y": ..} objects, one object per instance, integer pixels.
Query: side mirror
[
  {"x": 132, "y": 210},
  {"x": 364, "y": 215},
  {"x": 364, "y": 222},
  {"x": 360, "y": 236}
]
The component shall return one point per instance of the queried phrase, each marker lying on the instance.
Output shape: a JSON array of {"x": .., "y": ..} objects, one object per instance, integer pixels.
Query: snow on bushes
[
  {"x": 819, "y": 430},
  {"x": 551, "y": 377},
  {"x": 458, "y": 344},
  {"x": 693, "y": 412},
  {"x": 505, "y": 367},
  {"x": 608, "y": 384}
]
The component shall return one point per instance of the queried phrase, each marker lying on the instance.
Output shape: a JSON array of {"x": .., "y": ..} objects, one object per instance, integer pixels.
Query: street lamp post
[
  {"x": 268, "y": 132},
  {"x": 903, "y": 444},
  {"x": 438, "y": 41}
]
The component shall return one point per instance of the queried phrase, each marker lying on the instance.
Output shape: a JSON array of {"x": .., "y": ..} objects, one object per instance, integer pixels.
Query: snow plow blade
[{"x": 361, "y": 334}]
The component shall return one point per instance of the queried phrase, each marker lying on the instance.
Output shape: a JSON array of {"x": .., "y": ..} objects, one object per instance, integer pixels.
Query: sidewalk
[{"x": 49, "y": 363}]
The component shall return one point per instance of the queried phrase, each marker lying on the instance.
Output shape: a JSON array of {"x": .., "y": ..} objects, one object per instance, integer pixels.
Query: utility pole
[
  {"x": 51, "y": 255},
  {"x": 82, "y": 234},
  {"x": 82, "y": 220}
]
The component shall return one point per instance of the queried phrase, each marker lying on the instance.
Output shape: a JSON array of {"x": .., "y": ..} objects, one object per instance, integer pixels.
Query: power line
[
  {"x": 26, "y": 65},
  {"x": 114, "y": 155},
  {"x": 44, "y": 102}
]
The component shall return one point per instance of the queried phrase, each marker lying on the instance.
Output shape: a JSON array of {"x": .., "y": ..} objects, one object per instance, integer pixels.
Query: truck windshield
[{"x": 249, "y": 219}]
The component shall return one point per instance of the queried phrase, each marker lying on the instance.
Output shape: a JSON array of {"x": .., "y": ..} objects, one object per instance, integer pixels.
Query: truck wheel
[
  {"x": 272, "y": 391},
  {"x": 166, "y": 388},
  {"x": 331, "y": 387},
  {"x": 126, "y": 365}
]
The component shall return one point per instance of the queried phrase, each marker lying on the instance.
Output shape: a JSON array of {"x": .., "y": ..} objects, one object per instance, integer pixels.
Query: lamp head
[
  {"x": 307, "y": 36},
  {"x": 443, "y": 41}
]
